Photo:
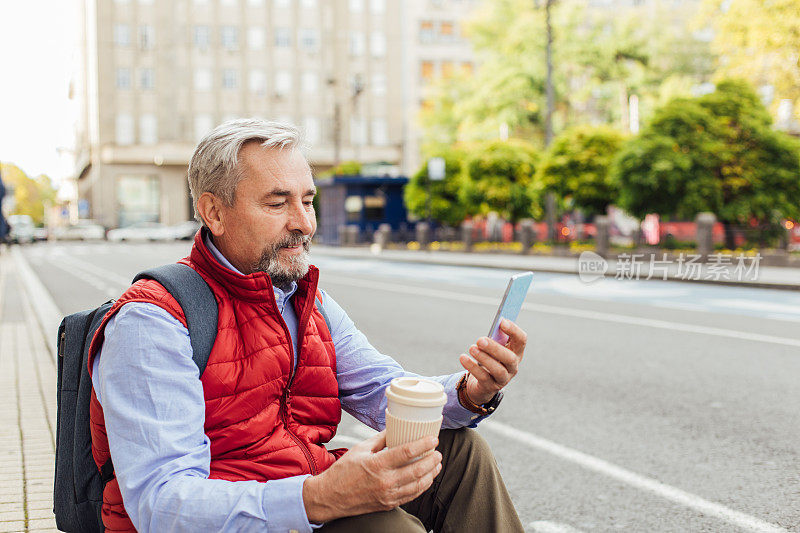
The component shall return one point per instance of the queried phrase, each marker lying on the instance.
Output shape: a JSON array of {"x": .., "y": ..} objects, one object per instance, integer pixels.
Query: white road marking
[
  {"x": 543, "y": 526},
  {"x": 566, "y": 311},
  {"x": 635, "y": 480}
]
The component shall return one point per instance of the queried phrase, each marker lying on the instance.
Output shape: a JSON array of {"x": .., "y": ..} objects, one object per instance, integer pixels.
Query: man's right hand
[{"x": 370, "y": 477}]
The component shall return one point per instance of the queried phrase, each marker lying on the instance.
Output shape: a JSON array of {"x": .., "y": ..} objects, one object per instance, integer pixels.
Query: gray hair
[{"x": 213, "y": 167}]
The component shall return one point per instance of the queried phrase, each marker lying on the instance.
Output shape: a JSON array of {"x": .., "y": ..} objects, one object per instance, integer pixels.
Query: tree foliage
[
  {"x": 499, "y": 177},
  {"x": 445, "y": 204},
  {"x": 30, "y": 194},
  {"x": 577, "y": 168},
  {"x": 714, "y": 153},
  {"x": 759, "y": 41}
]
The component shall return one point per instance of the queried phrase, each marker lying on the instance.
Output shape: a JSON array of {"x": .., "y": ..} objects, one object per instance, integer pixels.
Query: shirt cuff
[
  {"x": 456, "y": 415},
  {"x": 284, "y": 506}
]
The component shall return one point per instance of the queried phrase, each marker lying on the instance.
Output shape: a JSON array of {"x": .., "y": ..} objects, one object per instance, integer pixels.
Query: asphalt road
[{"x": 641, "y": 406}]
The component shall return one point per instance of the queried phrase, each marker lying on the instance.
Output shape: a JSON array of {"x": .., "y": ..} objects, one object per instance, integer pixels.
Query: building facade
[{"x": 155, "y": 76}]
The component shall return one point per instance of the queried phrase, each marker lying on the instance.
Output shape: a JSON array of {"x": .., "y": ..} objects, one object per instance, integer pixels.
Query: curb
[
  {"x": 47, "y": 313},
  {"x": 428, "y": 258}
]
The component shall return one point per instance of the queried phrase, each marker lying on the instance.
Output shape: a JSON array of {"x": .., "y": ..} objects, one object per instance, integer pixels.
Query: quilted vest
[{"x": 265, "y": 418}]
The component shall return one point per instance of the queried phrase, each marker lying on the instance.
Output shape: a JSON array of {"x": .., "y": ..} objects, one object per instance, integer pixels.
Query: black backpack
[{"x": 78, "y": 485}]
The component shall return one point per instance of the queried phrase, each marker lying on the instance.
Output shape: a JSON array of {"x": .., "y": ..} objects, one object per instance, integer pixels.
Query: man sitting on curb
[{"x": 241, "y": 448}]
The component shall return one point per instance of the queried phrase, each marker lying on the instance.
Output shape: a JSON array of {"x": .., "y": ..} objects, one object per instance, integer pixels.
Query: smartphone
[{"x": 511, "y": 305}]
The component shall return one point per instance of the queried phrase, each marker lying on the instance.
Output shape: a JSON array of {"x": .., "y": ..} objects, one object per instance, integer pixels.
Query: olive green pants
[{"x": 467, "y": 495}]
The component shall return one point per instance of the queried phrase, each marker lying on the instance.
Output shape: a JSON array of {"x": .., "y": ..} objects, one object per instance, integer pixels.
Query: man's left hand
[{"x": 492, "y": 365}]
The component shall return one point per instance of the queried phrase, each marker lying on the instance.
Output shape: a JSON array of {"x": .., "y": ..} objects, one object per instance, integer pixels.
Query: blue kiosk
[{"x": 363, "y": 201}]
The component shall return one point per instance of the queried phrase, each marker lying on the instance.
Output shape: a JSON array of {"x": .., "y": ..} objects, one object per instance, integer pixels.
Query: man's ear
[{"x": 209, "y": 208}]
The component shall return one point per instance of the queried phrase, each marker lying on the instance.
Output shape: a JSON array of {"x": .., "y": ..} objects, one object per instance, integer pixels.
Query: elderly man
[{"x": 241, "y": 448}]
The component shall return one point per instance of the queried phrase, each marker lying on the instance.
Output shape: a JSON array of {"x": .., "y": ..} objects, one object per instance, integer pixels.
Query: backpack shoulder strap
[
  {"x": 322, "y": 311},
  {"x": 197, "y": 301}
]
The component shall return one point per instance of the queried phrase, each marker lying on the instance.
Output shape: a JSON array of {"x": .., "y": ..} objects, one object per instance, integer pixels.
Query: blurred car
[
  {"x": 185, "y": 230},
  {"x": 22, "y": 229},
  {"x": 142, "y": 231},
  {"x": 40, "y": 234},
  {"x": 83, "y": 230}
]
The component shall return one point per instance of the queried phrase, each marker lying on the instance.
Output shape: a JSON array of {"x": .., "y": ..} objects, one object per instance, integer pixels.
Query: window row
[
  {"x": 307, "y": 38},
  {"x": 443, "y": 31},
  {"x": 428, "y": 69},
  {"x": 377, "y": 43},
  {"x": 146, "y": 35},
  {"x": 147, "y": 78},
  {"x": 283, "y": 81},
  {"x": 355, "y": 6},
  {"x": 126, "y": 130}
]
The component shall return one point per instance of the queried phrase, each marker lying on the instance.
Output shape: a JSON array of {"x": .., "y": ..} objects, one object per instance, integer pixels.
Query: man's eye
[{"x": 281, "y": 204}]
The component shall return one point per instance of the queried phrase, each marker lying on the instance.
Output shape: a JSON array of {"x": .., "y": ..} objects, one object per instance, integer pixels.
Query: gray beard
[{"x": 284, "y": 273}]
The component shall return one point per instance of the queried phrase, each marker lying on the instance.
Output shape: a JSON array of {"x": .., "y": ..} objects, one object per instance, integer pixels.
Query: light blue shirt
[{"x": 154, "y": 411}]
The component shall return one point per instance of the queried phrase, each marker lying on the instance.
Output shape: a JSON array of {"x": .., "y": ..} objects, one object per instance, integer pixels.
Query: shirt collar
[{"x": 280, "y": 296}]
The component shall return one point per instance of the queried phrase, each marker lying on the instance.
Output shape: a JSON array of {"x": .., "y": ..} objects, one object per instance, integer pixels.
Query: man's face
[{"x": 270, "y": 225}]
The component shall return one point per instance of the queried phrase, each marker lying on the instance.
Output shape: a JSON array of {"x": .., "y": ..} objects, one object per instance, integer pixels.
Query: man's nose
[{"x": 301, "y": 219}]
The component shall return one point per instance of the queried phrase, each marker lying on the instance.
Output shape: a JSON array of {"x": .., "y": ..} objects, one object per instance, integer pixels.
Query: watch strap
[{"x": 485, "y": 409}]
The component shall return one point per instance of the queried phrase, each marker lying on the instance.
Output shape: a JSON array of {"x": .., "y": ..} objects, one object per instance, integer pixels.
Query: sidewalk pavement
[
  {"x": 28, "y": 408},
  {"x": 784, "y": 278}
]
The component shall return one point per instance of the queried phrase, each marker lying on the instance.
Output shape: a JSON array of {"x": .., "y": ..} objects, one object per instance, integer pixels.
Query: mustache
[{"x": 294, "y": 239}]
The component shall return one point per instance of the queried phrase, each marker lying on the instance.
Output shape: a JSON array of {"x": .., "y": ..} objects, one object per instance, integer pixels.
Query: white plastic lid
[{"x": 417, "y": 392}]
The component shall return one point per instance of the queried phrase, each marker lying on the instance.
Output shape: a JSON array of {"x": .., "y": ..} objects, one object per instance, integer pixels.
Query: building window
[
  {"x": 202, "y": 37},
  {"x": 148, "y": 129},
  {"x": 147, "y": 79},
  {"x": 146, "y": 2},
  {"x": 123, "y": 78},
  {"x": 138, "y": 199},
  {"x": 201, "y": 2},
  {"x": 283, "y": 37},
  {"x": 202, "y": 79},
  {"x": 122, "y": 35},
  {"x": 203, "y": 123},
  {"x": 255, "y": 38},
  {"x": 379, "y": 84},
  {"x": 380, "y": 133},
  {"x": 448, "y": 69},
  {"x": 230, "y": 78},
  {"x": 311, "y": 129},
  {"x": 352, "y": 207},
  {"x": 124, "y": 129},
  {"x": 255, "y": 3},
  {"x": 427, "y": 70},
  {"x": 467, "y": 68},
  {"x": 447, "y": 31},
  {"x": 282, "y": 3},
  {"x": 283, "y": 82},
  {"x": 356, "y": 43},
  {"x": 309, "y": 4},
  {"x": 258, "y": 82},
  {"x": 377, "y": 6},
  {"x": 377, "y": 44},
  {"x": 374, "y": 208},
  {"x": 229, "y": 36},
  {"x": 309, "y": 82},
  {"x": 309, "y": 39},
  {"x": 229, "y": 2},
  {"x": 147, "y": 37},
  {"x": 356, "y": 6},
  {"x": 358, "y": 131},
  {"x": 426, "y": 32}
]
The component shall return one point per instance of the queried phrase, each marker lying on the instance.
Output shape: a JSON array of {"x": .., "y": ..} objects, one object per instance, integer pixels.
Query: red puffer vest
[{"x": 264, "y": 418}]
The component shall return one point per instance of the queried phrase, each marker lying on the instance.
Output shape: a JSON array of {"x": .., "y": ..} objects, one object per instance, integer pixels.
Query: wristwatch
[{"x": 485, "y": 409}]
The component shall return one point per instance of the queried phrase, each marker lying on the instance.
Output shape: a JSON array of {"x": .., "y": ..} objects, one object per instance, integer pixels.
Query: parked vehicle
[
  {"x": 185, "y": 231},
  {"x": 142, "y": 231},
  {"x": 83, "y": 230},
  {"x": 22, "y": 229},
  {"x": 40, "y": 234}
]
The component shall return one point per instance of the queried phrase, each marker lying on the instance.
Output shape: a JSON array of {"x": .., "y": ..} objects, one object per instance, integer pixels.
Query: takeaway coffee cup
[{"x": 414, "y": 410}]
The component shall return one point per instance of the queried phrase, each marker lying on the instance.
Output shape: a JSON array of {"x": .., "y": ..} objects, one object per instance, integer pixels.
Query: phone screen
[{"x": 511, "y": 305}]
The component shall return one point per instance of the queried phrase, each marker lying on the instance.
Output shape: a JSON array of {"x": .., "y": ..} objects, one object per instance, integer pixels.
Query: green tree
[
  {"x": 715, "y": 153},
  {"x": 445, "y": 205},
  {"x": 30, "y": 194},
  {"x": 576, "y": 168},
  {"x": 758, "y": 41},
  {"x": 499, "y": 177}
]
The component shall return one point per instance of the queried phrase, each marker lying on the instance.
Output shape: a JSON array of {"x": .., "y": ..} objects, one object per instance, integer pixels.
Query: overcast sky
[{"x": 38, "y": 43}]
